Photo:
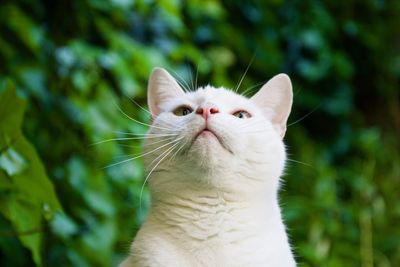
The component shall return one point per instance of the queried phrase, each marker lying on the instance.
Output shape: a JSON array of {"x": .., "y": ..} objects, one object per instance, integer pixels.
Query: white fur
[{"x": 215, "y": 202}]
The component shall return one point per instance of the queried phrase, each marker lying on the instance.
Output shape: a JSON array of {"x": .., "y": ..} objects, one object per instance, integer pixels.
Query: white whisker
[
  {"x": 245, "y": 72},
  {"x": 142, "y": 108},
  {"x": 300, "y": 162},
  {"x": 185, "y": 86},
  {"x": 164, "y": 155},
  {"x": 139, "y": 122},
  {"x": 197, "y": 73},
  {"x": 145, "y": 134},
  {"x": 128, "y": 138},
  {"x": 191, "y": 78},
  {"x": 141, "y": 155},
  {"x": 160, "y": 141},
  {"x": 305, "y": 116},
  {"x": 149, "y": 144},
  {"x": 177, "y": 151},
  {"x": 117, "y": 139},
  {"x": 248, "y": 90}
]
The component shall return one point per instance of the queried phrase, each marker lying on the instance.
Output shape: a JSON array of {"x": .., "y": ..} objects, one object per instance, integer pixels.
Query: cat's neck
[
  {"x": 191, "y": 200},
  {"x": 210, "y": 215},
  {"x": 227, "y": 186}
]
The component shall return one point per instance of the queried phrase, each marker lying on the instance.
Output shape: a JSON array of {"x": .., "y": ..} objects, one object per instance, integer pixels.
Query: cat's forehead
[{"x": 219, "y": 96}]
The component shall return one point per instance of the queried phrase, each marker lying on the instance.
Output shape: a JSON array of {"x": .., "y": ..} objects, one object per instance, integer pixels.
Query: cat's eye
[
  {"x": 242, "y": 114},
  {"x": 182, "y": 111}
]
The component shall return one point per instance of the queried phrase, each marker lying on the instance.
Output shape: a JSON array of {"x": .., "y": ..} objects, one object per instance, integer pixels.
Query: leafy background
[{"x": 67, "y": 67}]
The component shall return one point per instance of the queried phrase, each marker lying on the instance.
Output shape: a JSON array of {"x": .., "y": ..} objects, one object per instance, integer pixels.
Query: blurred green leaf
[{"x": 24, "y": 176}]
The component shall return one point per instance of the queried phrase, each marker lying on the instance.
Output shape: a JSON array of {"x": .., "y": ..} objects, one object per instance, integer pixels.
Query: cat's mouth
[{"x": 206, "y": 132}]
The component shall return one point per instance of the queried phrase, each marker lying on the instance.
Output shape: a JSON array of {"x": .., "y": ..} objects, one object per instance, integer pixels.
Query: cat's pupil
[
  {"x": 185, "y": 111},
  {"x": 241, "y": 115}
]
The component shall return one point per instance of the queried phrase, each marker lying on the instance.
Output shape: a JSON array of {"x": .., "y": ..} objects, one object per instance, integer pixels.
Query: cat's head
[{"x": 214, "y": 135}]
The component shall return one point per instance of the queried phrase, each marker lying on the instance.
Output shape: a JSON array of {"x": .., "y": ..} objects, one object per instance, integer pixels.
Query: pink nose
[{"x": 207, "y": 110}]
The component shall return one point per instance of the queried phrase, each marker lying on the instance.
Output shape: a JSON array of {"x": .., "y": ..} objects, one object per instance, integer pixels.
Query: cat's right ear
[{"x": 161, "y": 88}]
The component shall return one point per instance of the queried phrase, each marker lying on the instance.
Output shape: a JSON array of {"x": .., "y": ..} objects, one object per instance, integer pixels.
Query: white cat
[{"x": 215, "y": 178}]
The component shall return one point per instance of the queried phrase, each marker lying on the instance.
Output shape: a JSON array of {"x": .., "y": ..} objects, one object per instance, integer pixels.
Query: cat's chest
[
  {"x": 220, "y": 233},
  {"x": 224, "y": 244}
]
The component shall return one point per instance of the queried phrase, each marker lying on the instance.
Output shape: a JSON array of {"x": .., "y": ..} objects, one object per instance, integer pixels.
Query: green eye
[
  {"x": 242, "y": 114},
  {"x": 182, "y": 111}
]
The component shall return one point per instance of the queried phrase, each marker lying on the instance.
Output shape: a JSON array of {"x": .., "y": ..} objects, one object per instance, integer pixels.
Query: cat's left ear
[{"x": 275, "y": 99}]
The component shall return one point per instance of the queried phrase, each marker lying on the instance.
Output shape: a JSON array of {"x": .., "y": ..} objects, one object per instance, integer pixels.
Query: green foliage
[
  {"x": 78, "y": 63},
  {"x": 27, "y": 195}
]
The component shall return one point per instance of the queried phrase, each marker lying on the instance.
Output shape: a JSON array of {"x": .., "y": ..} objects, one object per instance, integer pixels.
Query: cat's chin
[
  {"x": 209, "y": 141},
  {"x": 206, "y": 143},
  {"x": 207, "y": 151}
]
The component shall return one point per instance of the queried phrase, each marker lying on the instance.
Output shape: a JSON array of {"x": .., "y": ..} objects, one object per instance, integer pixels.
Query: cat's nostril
[
  {"x": 200, "y": 111},
  {"x": 213, "y": 110}
]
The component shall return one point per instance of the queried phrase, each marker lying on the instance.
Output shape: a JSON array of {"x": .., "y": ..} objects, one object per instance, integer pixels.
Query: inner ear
[
  {"x": 275, "y": 99},
  {"x": 162, "y": 87}
]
